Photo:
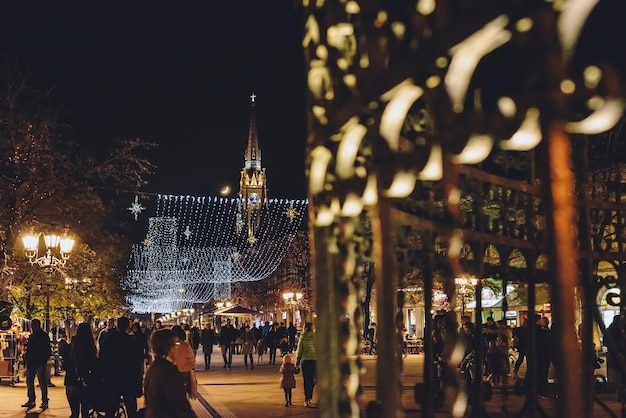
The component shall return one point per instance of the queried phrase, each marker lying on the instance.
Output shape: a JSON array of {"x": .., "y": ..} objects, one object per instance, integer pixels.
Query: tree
[{"x": 48, "y": 181}]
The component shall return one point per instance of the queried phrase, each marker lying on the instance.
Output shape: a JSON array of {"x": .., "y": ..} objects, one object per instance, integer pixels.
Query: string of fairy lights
[{"x": 194, "y": 251}]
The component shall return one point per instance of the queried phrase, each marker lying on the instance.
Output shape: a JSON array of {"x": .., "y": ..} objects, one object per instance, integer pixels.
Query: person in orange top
[
  {"x": 163, "y": 388},
  {"x": 185, "y": 361}
]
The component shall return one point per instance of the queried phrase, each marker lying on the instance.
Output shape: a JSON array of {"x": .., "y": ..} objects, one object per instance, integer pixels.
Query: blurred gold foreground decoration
[{"x": 428, "y": 122}]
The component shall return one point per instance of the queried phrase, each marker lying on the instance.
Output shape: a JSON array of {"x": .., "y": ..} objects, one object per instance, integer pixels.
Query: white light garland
[{"x": 193, "y": 252}]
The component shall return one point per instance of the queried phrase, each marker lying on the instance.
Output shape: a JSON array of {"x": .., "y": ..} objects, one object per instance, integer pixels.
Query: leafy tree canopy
[{"x": 49, "y": 180}]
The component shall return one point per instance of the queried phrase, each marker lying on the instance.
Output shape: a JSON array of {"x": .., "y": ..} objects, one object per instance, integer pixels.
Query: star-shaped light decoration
[
  {"x": 187, "y": 232},
  {"x": 136, "y": 208},
  {"x": 252, "y": 240},
  {"x": 236, "y": 255},
  {"x": 291, "y": 213},
  {"x": 146, "y": 241}
]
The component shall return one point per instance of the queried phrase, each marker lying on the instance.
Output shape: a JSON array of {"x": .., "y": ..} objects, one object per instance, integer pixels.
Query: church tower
[{"x": 252, "y": 184}]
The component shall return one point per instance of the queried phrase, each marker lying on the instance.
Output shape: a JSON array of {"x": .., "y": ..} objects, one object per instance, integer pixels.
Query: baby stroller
[
  {"x": 101, "y": 402},
  {"x": 99, "y": 397}
]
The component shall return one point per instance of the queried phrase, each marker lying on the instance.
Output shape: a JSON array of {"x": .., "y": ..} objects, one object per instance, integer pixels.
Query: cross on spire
[{"x": 252, "y": 97}]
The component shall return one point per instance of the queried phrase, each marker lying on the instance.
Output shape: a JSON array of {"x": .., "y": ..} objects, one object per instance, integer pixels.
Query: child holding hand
[{"x": 287, "y": 378}]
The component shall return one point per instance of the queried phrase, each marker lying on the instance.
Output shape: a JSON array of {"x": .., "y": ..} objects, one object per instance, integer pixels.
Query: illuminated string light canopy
[
  {"x": 193, "y": 251},
  {"x": 198, "y": 246}
]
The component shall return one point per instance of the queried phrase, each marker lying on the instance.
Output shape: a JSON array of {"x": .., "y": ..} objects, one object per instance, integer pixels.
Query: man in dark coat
[
  {"x": 117, "y": 355},
  {"x": 207, "y": 339},
  {"x": 106, "y": 332},
  {"x": 38, "y": 353},
  {"x": 291, "y": 332},
  {"x": 141, "y": 356},
  {"x": 228, "y": 335}
]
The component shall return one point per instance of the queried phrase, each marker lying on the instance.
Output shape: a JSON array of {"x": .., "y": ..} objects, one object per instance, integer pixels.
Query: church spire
[
  {"x": 253, "y": 153},
  {"x": 252, "y": 184}
]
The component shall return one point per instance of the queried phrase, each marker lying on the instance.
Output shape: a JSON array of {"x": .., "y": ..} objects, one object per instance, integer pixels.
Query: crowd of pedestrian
[
  {"x": 504, "y": 349},
  {"x": 124, "y": 361}
]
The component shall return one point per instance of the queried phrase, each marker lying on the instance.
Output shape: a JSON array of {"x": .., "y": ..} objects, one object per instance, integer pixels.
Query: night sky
[{"x": 178, "y": 73}]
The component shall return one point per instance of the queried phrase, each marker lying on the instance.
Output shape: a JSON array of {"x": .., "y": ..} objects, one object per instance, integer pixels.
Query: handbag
[{"x": 296, "y": 370}]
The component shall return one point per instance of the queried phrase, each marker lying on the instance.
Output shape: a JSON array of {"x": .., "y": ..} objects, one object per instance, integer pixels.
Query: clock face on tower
[{"x": 253, "y": 199}]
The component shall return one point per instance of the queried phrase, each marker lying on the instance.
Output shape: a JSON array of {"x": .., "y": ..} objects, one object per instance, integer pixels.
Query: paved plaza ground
[{"x": 242, "y": 393}]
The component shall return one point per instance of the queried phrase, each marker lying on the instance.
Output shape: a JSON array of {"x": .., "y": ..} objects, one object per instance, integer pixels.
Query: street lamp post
[
  {"x": 465, "y": 287},
  {"x": 58, "y": 249},
  {"x": 292, "y": 300}
]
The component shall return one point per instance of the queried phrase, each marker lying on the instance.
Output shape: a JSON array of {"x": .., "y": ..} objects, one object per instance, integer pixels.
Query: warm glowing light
[
  {"x": 601, "y": 120},
  {"x": 568, "y": 86},
  {"x": 527, "y": 136},
  {"x": 402, "y": 185},
  {"x": 370, "y": 194},
  {"x": 320, "y": 114},
  {"x": 507, "y": 107},
  {"x": 433, "y": 170},
  {"x": 465, "y": 281},
  {"x": 320, "y": 156},
  {"x": 467, "y": 54},
  {"x": 571, "y": 22},
  {"x": 349, "y": 148},
  {"x": 592, "y": 75},
  {"x": 319, "y": 80},
  {"x": 401, "y": 98},
  {"x": 225, "y": 190},
  {"x": 52, "y": 241},
  {"x": 398, "y": 29},
  {"x": 325, "y": 216},
  {"x": 31, "y": 242},
  {"x": 425, "y": 7},
  {"x": 66, "y": 244},
  {"x": 352, "y": 7},
  {"x": 433, "y": 81},
  {"x": 478, "y": 148},
  {"x": 456, "y": 243},
  {"x": 524, "y": 24},
  {"x": 352, "y": 206},
  {"x": 349, "y": 80}
]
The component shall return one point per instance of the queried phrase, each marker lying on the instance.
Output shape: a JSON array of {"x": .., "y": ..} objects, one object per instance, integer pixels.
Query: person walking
[
  {"x": 373, "y": 338},
  {"x": 520, "y": 342},
  {"x": 543, "y": 349},
  {"x": 248, "y": 343},
  {"x": 207, "y": 339},
  {"x": 141, "y": 356},
  {"x": 287, "y": 378},
  {"x": 117, "y": 354},
  {"x": 265, "y": 330},
  {"x": 38, "y": 352},
  {"x": 616, "y": 332},
  {"x": 79, "y": 359},
  {"x": 272, "y": 342},
  {"x": 185, "y": 361},
  {"x": 228, "y": 335},
  {"x": 195, "y": 332},
  {"x": 291, "y": 332},
  {"x": 305, "y": 355},
  {"x": 164, "y": 388},
  {"x": 106, "y": 332}
]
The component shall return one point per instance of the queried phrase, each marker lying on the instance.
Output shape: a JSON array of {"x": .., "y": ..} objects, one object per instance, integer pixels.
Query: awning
[
  {"x": 516, "y": 300},
  {"x": 487, "y": 303},
  {"x": 236, "y": 310}
]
